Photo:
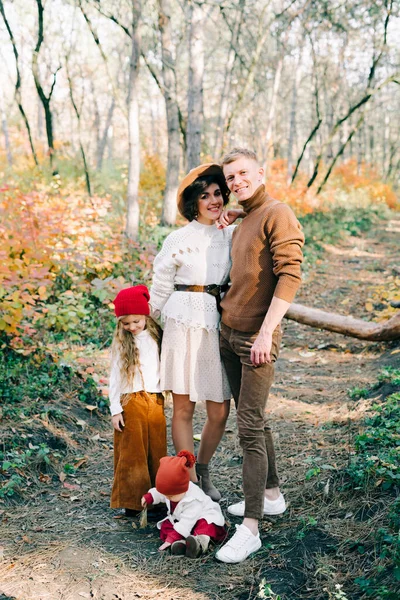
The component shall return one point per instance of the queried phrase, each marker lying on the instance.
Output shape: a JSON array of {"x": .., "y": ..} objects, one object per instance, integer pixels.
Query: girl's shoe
[
  {"x": 206, "y": 484},
  {"x": 196, "y": 545},
  {"x": 178, "y": 548}
]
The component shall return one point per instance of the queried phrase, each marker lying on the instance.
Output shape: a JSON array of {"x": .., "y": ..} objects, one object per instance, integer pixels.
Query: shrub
[{"x": 377, "y": 460}]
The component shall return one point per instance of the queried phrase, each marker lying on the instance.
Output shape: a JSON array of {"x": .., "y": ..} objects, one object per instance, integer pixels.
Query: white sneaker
[
  {"x": 240, "y": 546},
  {"x": 271, "y": 507}
]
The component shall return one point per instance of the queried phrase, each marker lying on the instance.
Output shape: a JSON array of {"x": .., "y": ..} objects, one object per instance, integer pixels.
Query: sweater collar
[
  {"x": 201, "y": 227},
  {"x": 143, "y": 334},
  {"x": 258, "y": 198}
]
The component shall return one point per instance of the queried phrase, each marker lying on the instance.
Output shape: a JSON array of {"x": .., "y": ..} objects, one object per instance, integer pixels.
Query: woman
[{"x": 190, "y": 273}]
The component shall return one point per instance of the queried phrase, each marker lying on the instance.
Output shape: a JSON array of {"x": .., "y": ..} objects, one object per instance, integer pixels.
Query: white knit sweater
[
  {"x": 149, "y": 366},
  {"x": 193, "y": 255},
  {"x": 195, "y": 505}
]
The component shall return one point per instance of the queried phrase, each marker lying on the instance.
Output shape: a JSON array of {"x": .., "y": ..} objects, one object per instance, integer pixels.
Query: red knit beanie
[
  {"x": 132, "y": 301},
  {"x": 173, "y": 473}
]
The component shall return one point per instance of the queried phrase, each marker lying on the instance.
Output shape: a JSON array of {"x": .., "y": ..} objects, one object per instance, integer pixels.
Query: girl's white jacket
[{"x": 194, "y": 505}]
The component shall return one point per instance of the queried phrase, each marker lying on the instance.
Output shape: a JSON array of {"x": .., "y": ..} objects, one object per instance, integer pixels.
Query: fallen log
[{"x": 357, "y": 328}]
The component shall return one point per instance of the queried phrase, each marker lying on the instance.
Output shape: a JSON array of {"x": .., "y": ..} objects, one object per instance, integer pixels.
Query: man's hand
[
  {"x": 261, "y": 349},
  {"x": 229, "y": 216},
  {"x": 164, "y": 546},
  {"x": 118, "y": 422}
]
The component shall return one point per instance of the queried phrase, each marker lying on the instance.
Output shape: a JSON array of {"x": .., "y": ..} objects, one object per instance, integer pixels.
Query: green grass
[{"x": 328, "y": 227}]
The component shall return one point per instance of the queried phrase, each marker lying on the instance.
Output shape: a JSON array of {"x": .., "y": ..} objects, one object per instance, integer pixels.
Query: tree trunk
[
  {"x": 371, "y": 143},
  {"x": 96, "y": 121},
  {"x": 370, "y": 91},
  {"x": 248, "y": 80},
  {"x": 40, "y": 132},
  {"x": 219, "y": 144},
  {"x": 362, "y": 330},
  {"x": 78, "y": 116},
  {"x": 172, "y": 110},
  {"x": 115, "y": 91},
  {"x": 110, "y": 144},
  {"x": 45, "y": 100},
  {"x": 18, "y": 83},
  {"x": 102, "y": 141},
  {"x": 4, "y": 127},
  {"x": 132, "y": 217},
  {"x": 292, "y": 127},
  {"x": 195, "y": 86},
  {"x": 340, "y": 152},
  {"x": 269, "y": 144},
  {"x": 386, "y": 143}
]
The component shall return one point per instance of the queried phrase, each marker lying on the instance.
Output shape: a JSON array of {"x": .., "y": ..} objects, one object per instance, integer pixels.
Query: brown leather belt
[{"x": 213, "y": 289}]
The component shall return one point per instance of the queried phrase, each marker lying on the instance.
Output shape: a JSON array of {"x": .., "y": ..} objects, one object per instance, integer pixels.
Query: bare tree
[
  {"x": 249, "y": 68},
  {"x": 269, "y": 144},
  {"x": 252, "y": 94},
  {"x": 370, "y": 90},
  {"x": 97, "y": 5},
  {"x": 317, "y": 111},
  {"x": 4, "y": 127},
  {"x": 195, "y": 84},
  {"x": 78, "y": 116},
  {"x": 45, "y": 100},
  {"x": 132, "y": 217},
  {"x": 172, "y": 109},
  {"x": 220, "y": 129},
  {"x": 18, "y": 83},
  {"x": 103, "y": 139},
  {"x": 293, "y": 115},
  {"x": 133, "y": 32}
]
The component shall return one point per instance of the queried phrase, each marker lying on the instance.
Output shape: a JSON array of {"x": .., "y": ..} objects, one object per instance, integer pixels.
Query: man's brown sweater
[{"x": 266, "y": 258}]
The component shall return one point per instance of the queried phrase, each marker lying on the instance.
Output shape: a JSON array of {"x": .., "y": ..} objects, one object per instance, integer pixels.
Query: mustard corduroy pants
[{"x": 138, "y": 448}]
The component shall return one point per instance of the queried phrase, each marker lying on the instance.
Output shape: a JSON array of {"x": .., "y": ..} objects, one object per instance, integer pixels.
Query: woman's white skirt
[{"x": 191, "y": 363}]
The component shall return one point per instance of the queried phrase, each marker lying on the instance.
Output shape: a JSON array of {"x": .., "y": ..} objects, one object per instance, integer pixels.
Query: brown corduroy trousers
[
  {"x": 138, "y": 448},
  {"x": 250, "y": 388}
]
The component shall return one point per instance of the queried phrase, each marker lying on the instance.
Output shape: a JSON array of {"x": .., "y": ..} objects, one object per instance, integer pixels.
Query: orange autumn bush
[
  {"x": 301, "y": 199},
  {"x": 61, "y": 254},
  {"x": 346, "y": 179},
  {"x": 349, "y": 177}
]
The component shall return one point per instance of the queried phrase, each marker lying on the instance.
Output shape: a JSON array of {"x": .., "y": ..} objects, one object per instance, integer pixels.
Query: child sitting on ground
[
  {"x": 136, "y": 402},
  {"x": 193, "y": 519}
]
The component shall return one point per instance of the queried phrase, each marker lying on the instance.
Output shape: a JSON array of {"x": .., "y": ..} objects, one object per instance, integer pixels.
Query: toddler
[{"x": 193, "y": 519}]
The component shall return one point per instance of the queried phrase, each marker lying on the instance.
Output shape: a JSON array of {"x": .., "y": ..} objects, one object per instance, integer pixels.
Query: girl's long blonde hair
[{"x": 124, "y": 347}]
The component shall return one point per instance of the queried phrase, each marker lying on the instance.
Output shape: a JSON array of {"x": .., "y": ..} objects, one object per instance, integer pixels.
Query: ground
[{"x": 64, "y": 543}]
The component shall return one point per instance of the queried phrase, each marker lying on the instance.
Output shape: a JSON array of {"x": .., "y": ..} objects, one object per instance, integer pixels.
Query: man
[{"x": 265, "y": 275}]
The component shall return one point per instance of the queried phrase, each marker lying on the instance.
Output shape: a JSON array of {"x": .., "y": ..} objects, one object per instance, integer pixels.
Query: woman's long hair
[{"x": 124, "y": 347}]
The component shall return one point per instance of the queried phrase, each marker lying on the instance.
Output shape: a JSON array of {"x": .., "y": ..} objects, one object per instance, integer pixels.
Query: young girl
[
  {"x": 136, "y": 402},
  {"x": 193, "y": 519}
]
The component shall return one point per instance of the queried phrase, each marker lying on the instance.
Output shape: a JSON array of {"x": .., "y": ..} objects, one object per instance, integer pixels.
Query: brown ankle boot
[
  {"x": 196, "y": 545},
  {"x": 206, "y": 484}
]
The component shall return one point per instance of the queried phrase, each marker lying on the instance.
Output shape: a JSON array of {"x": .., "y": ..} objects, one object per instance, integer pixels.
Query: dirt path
[{"x": 66, "y": 544}]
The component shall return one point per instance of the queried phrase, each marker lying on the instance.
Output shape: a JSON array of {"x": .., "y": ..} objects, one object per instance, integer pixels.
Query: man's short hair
[{"x": 238, "y": 153}]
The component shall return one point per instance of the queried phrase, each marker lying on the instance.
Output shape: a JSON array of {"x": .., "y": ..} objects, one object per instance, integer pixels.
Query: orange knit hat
[{"x": 173, "y": 473}]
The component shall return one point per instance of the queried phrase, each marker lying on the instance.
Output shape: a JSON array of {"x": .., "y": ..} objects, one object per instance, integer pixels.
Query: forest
[{"x": 105, "y": 106}]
